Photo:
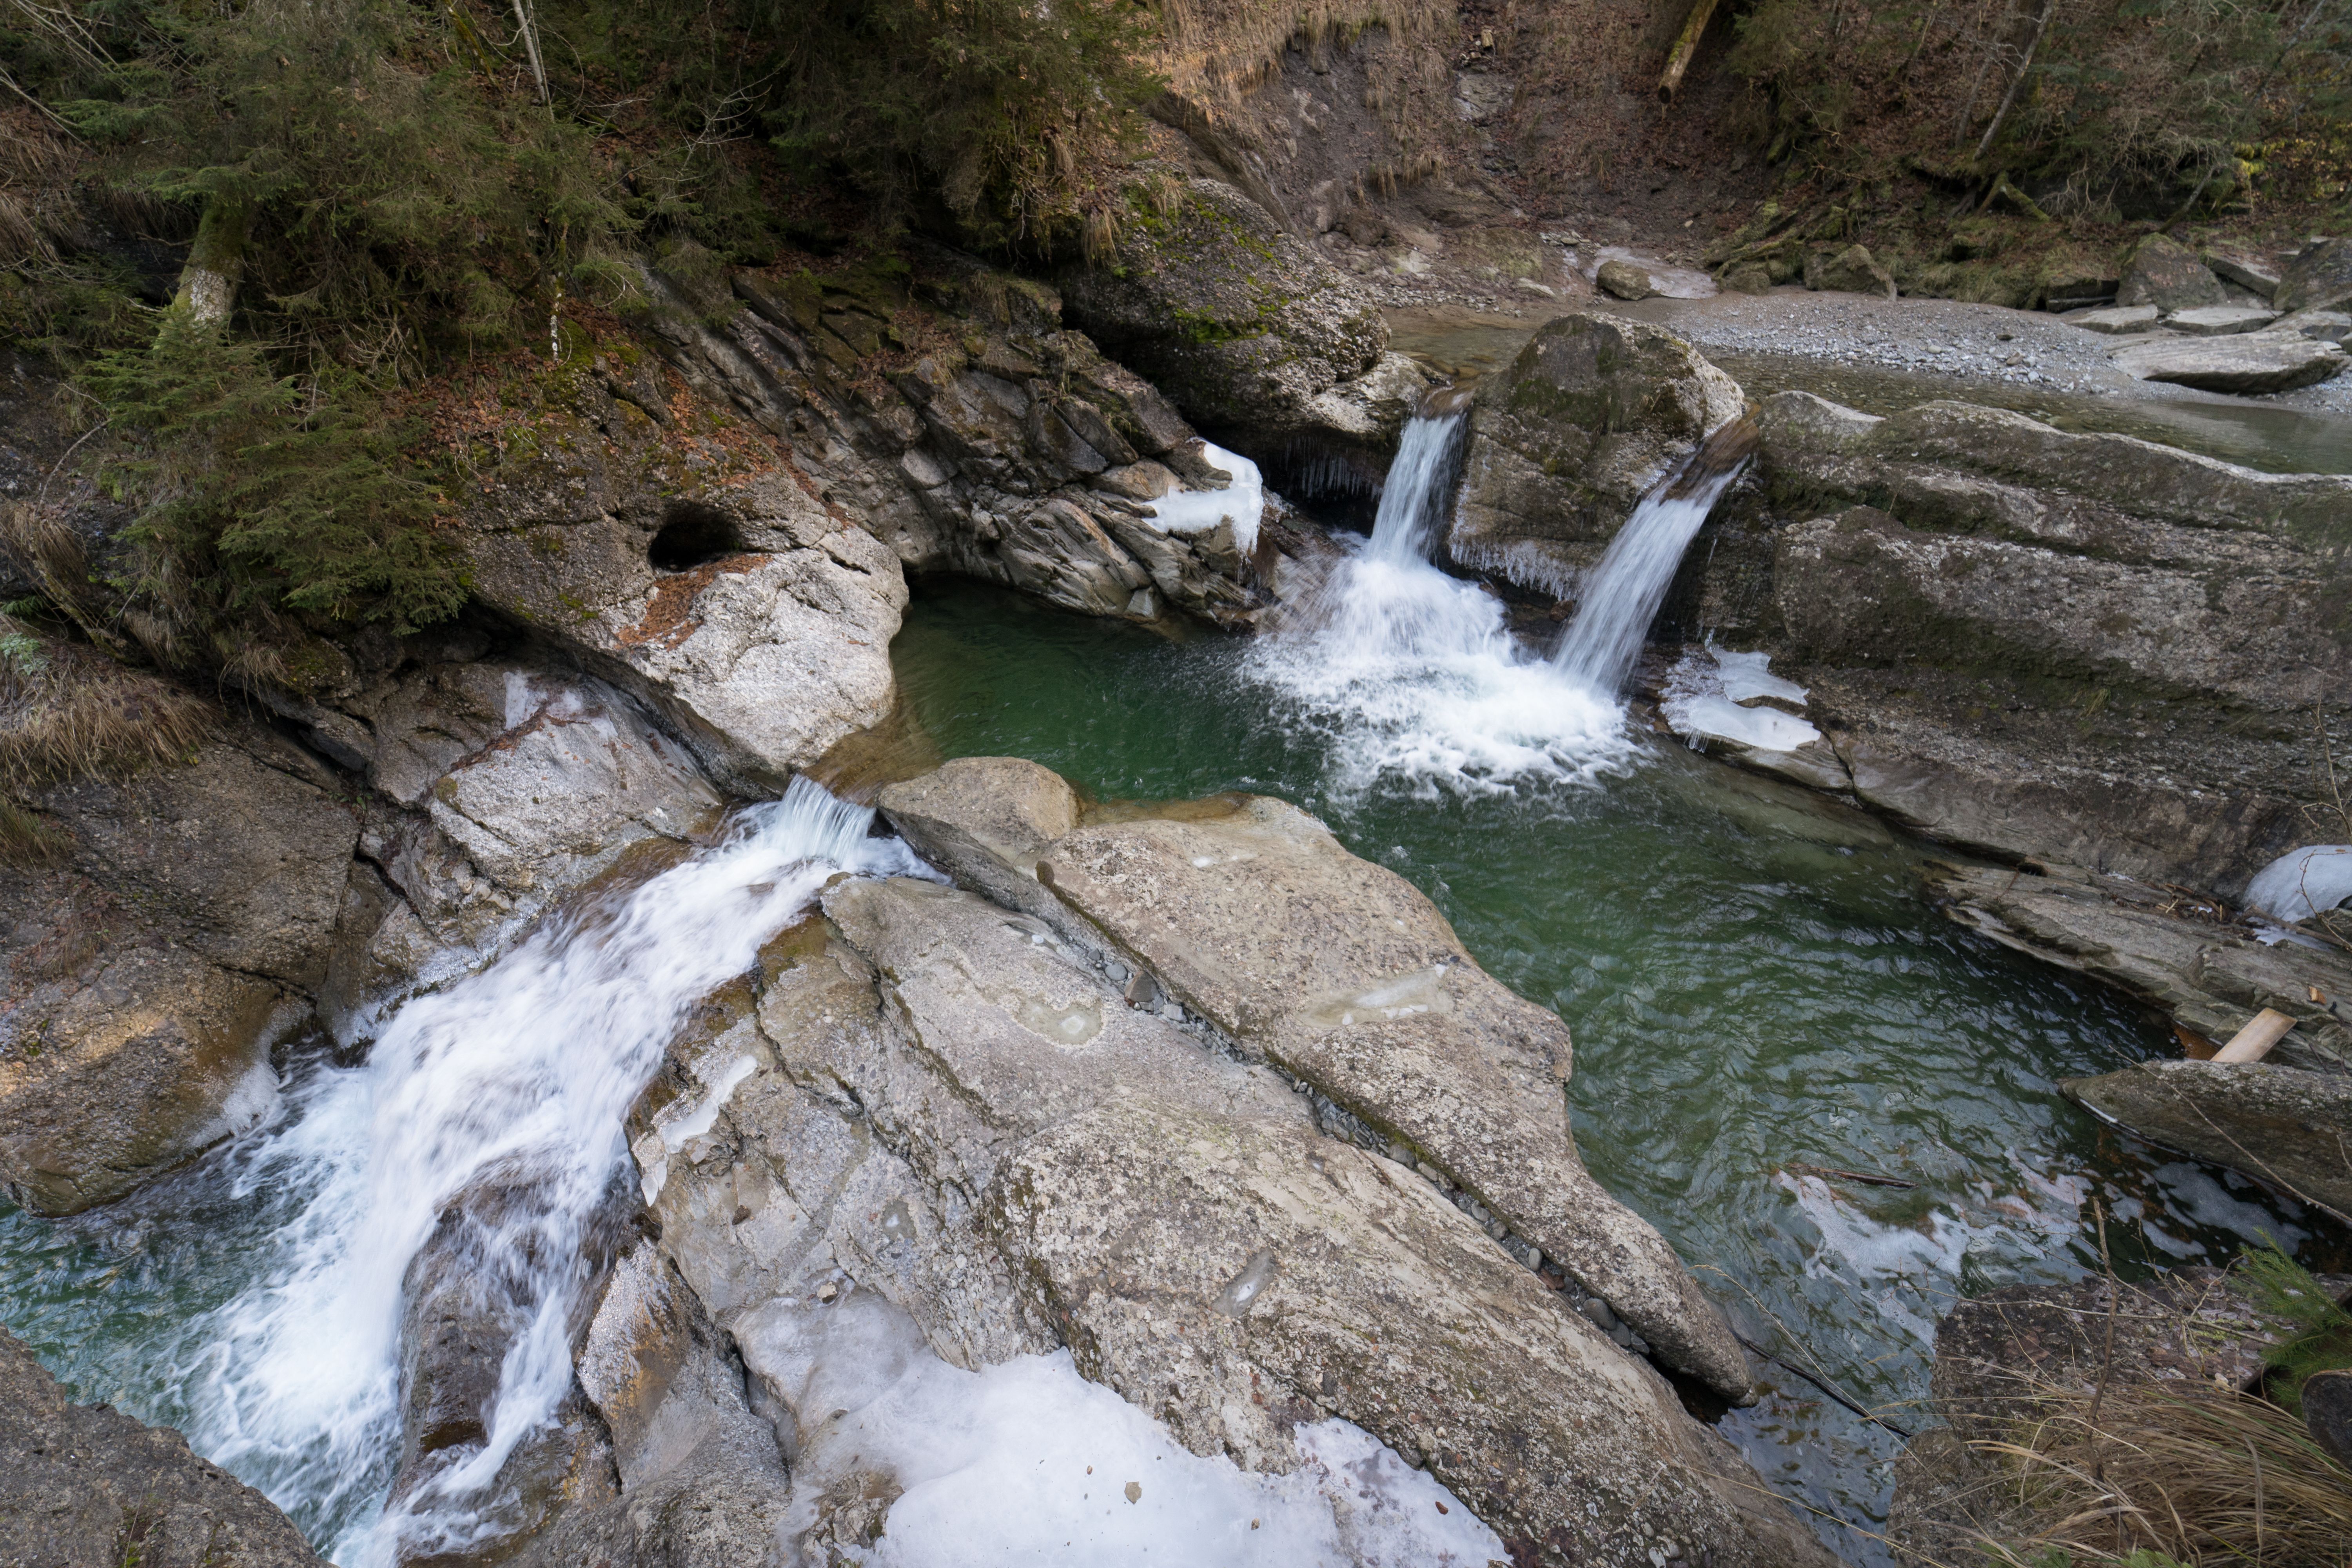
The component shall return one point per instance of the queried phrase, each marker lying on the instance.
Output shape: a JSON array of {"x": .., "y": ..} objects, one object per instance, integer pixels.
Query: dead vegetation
[{"x": 67, "y": 711}]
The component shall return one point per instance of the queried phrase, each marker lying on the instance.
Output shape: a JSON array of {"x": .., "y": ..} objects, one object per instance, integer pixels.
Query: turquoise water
[{"x": 1755, "y": 983}]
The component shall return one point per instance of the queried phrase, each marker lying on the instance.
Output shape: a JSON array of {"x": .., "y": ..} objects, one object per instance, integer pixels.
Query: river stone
[
  {"x": 1625, "y": 281},
  {"x": 2290, "y": 1127},
  {"x": 1237, "y": 319},
  {"x": 88, "y": 1487},
  {"x": 2250, "y": 364},
  {"x": 2221, "y": 321},
  {"x": 146, "y": 981},
  {"x": 2319, "y": 277},
  {"x": 1249, "y": 1264},
  {"x": 1853, "y": 270},
  {"x": 2210, "y": 977},
  {"x": 2163, "y": 272},
  {"x": 1593, "y": 413},
  {"x": 1246, "y": 910},
  {"x": 2117, "y": 320}
]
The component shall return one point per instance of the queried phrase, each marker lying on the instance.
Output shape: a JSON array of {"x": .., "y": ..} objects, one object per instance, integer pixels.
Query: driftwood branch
[
  {"x": 1685, "y": 45},
  {"x": 2016, "y": 82}
]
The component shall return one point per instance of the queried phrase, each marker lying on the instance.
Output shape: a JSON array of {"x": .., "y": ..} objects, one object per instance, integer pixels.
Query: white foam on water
[
  {"x": 521, "y": 1076},
  {"x": 1027, "y": 1461},
  {"x": 1412, "y": 670},
  {"x": 1198, "y": 512},
  {"x": 2303, "y": 882}
]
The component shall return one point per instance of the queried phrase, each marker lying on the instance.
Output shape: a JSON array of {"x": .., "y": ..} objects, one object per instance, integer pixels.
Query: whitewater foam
[
  {"x": 518, "y": 1075},
  {"x": 1410, "y": 672}
]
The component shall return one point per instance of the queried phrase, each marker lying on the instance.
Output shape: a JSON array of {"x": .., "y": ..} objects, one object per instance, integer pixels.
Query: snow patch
[
  {"x": 1707, "y": 697},
  {"x": 1197, "y": 511},
  {"x": 2303, "y": 882}
]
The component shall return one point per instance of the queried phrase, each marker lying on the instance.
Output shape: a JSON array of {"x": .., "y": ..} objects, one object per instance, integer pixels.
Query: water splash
[
  {"x": 1412, "y": 671},
  {"x": 1623, "y": 592},
  {"x": 519, "y": 1077}
]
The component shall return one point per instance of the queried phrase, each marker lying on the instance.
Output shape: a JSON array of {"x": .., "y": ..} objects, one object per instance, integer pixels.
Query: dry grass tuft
[
  {"x": 2201, "y": 1475},
  {"x": 67, "y": 712}
]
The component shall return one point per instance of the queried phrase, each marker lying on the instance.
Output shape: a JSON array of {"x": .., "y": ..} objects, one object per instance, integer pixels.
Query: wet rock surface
[
  {"x": 1564, "y": 444},
  {"x": 88, "y": 1487},
  {"x": 2083, "y": 648},
  {"x": 148, "y": 976},
  {"x": 2290, "y": 1127},
  {"x": 2251, "y": 363}
]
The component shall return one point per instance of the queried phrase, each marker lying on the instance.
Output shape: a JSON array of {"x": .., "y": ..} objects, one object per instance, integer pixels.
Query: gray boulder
[
  {"x": 2042, "y": 644},
  {"x": 1564, "y": 444},
  {"x": 88, "y": 1487},
  {"x": 2252, "y": 273},
  {"x": 148, "y": 978},
  {"x": 1246, "y": 911},
  {"x": 1244, "y": 325},
  {"x": 2286, "y": 1126},
  {"x": 2163, "y": 272},
  {"x": 2221, "y": 321},
  {"x": 2318, "y": 278},
  {"x": 2251, "y": 364},
  {"x": 1853, "y": 270},
  {"x": 2118, "y": 320},
  {"x": 1624, "y": 281}
]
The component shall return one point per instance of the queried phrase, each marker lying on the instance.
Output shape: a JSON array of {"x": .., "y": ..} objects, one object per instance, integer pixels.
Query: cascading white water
[
  {"x": 519, "y": 1075},
  {"x": 1623, "y": 592},
  {"x": 1413, "y": 668}
]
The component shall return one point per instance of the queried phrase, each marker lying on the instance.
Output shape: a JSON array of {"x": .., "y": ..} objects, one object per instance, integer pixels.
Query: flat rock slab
[
  {"x": 2286, "y": 1126},
  {"x": 2250, "y": 364},
  {"x": 2211, "y": 977},
  {"x": 2221, "y": 321},
  {"x": 2119, "y": 319},
  {"x": 1250, "y": 914},
  {"x": 88, "y": 1487}
]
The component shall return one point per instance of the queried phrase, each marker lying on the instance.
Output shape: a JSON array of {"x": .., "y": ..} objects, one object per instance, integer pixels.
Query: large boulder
[
  {"x": 85, "y": 1486},
  {"x": 2163, "y": 272},
  {"x": 2083, "y": 648},
  {"x": 2283, "y": 1125},
  {"x": 1244, "y": 325},
  {"x": 1853, "y": 270},
  {"x": 1249, "y": 913},
  {"x": 1564, "y": 444},
  {"x": 2318, "y": 278},
  {"x": 148, "y": 977}
]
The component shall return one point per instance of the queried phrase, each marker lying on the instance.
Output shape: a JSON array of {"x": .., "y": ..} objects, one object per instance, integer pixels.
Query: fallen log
[{"x": 1685, "y": 45}]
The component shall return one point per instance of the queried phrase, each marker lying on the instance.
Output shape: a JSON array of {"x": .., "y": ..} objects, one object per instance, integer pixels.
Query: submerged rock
[
  {"x": 2286, "y": 1126},
  {"x": 86, "y": 1485},
  {"x": 1593, "y": 413}
]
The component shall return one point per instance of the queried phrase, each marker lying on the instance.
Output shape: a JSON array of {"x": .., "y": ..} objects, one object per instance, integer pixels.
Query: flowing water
[
  {"x": 254, "y": 1304},
  {"x": 1762, "y": 1002},
  {"x": 1621, "y": 595}
]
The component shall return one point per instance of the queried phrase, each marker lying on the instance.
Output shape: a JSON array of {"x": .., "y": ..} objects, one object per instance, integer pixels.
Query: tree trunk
[
  {"x": 1685, "y": 45},
  {"x": 2016, "y": 82},
  {"x": 208, "y": 281}
]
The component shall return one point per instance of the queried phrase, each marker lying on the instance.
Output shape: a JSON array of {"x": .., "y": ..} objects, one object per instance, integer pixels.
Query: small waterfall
[
  {"x": 1623, "y": 592},
  {"x": 1418, "y": 487},
  {"x": 515, "y": 1079},
  {"x": 1411, "y": 671}
]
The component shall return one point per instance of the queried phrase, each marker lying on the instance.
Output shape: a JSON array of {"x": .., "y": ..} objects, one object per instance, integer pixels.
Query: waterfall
[
  {"x": 515, "y": 1079},
  {"x": 1623, "y": 592},
  {"x": 1419, "y": 487},
  {"x": 1411, "y": 672}
]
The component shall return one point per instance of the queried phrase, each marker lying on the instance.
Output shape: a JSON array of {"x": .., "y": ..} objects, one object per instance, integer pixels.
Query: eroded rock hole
[{"x": 692, "y": 535}]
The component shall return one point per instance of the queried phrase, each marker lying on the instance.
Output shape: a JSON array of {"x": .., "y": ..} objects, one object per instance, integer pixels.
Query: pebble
[{"x": 1596, "y": 1312}]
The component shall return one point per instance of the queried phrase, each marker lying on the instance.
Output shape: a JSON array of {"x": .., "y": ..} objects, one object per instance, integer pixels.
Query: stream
[{"x": 1764, "y": 1004}]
